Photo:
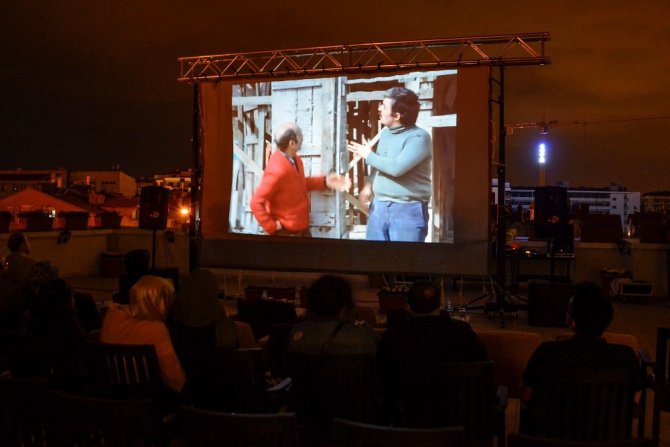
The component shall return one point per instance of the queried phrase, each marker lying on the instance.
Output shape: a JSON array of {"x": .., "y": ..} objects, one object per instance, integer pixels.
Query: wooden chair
[
  {"x": 123, "y": 371},
  {"x": 328, "y": 386},
  {"x": 586, "y": 404},
  {"x": 240, "y": 382},
  {"x": 438, "y": 394},
  {"x": 646, "y": 363},
  {"x": 210, "y": 428},
  {"x": 357, "y": 434},
  {"x": 662, "y": 382},
  {"x": 93, "y": 422},
  {"x": 509, "y": 351},
  {"x": 517, "y": 440},
  {"x": 25, "y": 419}
]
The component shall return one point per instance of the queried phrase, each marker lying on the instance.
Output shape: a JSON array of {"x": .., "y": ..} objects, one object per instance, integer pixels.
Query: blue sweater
[{"x": 402, "y": 165}]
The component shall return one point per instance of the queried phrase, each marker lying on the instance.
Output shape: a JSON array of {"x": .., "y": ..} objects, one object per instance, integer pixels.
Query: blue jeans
[{"x": 400, "y": 222}]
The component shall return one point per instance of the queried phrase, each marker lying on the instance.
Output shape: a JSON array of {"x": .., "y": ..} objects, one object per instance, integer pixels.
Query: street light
[{"x": 542, "y": 160}]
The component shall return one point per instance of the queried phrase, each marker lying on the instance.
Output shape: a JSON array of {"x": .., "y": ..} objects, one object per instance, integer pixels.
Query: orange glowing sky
[{"x": 87, "y": 84}]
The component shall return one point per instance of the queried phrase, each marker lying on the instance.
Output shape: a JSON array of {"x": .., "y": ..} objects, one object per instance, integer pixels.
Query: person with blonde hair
[{"x": 142, "y": 322}]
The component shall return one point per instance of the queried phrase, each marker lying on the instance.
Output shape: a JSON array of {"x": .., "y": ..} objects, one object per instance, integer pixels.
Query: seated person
[
  {"x": 142, "y": 322},
  {"x": 325, "y": 330},
  {"x": 17, "y": 263},
  {"x": 425, "y": 334},
  {"x": 199, "y": 329},
  {"x": 136, "y": 265},
  {"x": 85, "y": 307},
  {"x": 54, "y": 344},
  {"x": 589, "y": 313}
]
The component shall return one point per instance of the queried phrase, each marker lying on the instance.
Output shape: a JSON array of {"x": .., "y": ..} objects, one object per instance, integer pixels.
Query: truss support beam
[{"x": 502, "y": 50}]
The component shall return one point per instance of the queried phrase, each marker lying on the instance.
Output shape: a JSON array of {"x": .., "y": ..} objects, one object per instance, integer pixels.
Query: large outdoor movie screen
[
  {"x": 351, "y": 173},
  {"x": 401, "y": 192}
]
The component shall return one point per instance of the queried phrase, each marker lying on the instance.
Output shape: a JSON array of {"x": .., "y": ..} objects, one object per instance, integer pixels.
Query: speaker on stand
[
  {"x": 153, "y": 213},
  {"x": 551, "y": 209}
]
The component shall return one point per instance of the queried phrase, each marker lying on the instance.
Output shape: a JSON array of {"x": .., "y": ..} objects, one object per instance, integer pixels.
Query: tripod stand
[{"x": 496, "y": 301}]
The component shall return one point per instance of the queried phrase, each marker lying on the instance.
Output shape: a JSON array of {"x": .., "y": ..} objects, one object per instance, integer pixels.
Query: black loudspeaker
[
  {"x": 548, "y": 303},
  {"x": 561, "y": 239},
  {"x": 551, "y": 207},
  {"x": 153, "y": 208}
]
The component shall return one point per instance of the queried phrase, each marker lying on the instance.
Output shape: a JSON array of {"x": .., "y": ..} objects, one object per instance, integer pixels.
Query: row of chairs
[
  {"x": 32, "y": 416},
  {"x": 129, "y": 371}
]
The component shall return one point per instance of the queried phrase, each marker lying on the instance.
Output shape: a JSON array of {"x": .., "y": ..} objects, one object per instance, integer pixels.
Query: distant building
[
  {"x": 614, "y": 200},
  {"x": 657, "y": 202},
  {"x": 47, "y": 180},
  {"x": 114, "y": 182},
  {"x": 176, "y": 181}
]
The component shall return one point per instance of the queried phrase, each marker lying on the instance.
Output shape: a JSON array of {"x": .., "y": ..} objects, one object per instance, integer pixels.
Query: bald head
[{"x": 288, "y": 138}]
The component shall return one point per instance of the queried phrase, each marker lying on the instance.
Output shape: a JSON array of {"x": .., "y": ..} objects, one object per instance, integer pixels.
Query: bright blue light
[{"x": 542, "y": 154}]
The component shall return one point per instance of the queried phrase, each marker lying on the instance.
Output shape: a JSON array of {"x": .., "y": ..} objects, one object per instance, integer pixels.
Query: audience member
[
  {"x": 142, "y": 321},
  {"x": 426, "y": 335},
  {"x": 18, "y": 262},
  {"x": 136, "y": 265},
  {"x": 54, "y": 342},
  {"x": 199, "y": 330},
  {"x": 326, "y": 331},
  {"x": 85, "y": 308},
  {"x": 589, "y": 313}
]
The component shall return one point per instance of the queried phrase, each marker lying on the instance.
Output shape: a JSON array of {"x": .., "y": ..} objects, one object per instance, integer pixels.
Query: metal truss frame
[{"x": 500, "y": 50}]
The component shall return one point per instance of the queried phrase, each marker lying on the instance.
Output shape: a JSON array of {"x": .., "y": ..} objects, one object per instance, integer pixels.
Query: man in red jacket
[{"x": 281, "y": 202}]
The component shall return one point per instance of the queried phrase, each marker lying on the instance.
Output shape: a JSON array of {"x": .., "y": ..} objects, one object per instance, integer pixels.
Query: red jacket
[{"x": 283, "y": 194}]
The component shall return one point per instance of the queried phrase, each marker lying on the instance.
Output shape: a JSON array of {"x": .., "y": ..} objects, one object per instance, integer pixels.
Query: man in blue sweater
[{"x": 401, "y": 171}]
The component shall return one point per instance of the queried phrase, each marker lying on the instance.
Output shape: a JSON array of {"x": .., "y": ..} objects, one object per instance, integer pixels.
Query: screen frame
[{"x": 467, "y": 255}]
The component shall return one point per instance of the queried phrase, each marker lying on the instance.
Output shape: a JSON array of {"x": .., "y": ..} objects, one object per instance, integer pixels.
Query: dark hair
[
  {"x": 405, "y": 102},
  {"x": 590, "y": 309},
  {"x": 289, "y": 134},
  {"x": 423, "y": 297},
  {"x": 15, "y": 240},
  {"x": 136, "y": 262},
  {"x": 53, "y": 299},
  {"x": 328, "y": 296}
]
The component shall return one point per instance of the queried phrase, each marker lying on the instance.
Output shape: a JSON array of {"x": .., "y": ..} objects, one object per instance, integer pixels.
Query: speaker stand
[{"x": 153, "y": 250}]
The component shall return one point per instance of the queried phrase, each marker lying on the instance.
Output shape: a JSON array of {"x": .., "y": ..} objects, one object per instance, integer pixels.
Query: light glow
[{"x": 542, "y": 154}]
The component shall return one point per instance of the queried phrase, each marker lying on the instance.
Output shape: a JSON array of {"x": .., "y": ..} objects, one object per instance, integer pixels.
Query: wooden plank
[
  {"x": 251, "y": 101},
  {"x": 403, "y": 78},
  {"x": 297, "y": 84},
  {"x": 248, "y": 162}
]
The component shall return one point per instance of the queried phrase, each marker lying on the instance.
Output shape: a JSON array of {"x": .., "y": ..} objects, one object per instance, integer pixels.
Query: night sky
[{"x": 87, "y": 84}]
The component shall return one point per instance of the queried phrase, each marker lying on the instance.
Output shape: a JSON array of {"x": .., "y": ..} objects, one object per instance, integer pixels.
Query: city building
[
  {"x": 176, "y": 181},
  {"x": 657, "y": 202},
  {"x": 114, "y": 181},
  {"x": 48, "y": 180},
  {"x": 613, "y": 200}
]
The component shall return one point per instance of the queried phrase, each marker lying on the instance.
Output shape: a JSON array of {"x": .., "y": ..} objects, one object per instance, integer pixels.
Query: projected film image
[{"x": 352, "y": 158}]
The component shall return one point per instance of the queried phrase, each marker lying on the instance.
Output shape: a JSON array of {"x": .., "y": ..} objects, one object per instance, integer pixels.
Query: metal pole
[
  {"x": 501, "y": 236},
  {"x": 194, "y": 222}
]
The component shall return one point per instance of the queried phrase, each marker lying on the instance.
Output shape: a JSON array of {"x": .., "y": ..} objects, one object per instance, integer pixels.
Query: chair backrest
[
  {"x": 509, "y": 351},
  {"x": 517, "y": 440},
  {"x": 260, "y": 314},
  {"x": 357, "y": 434},
  {"x": 328, "y": 386},
  {"x": 117, "y": 370},
  {"x": 25, "y": 419},
  {"x": 438, "y": 394},
  {"x": 586, "y": 404},
  {"x": 662, "y": 380},
  {"x": 208, "y": 428},
  {"x": 98, "y": 422},
  {"x": 239, "y": 384}
]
